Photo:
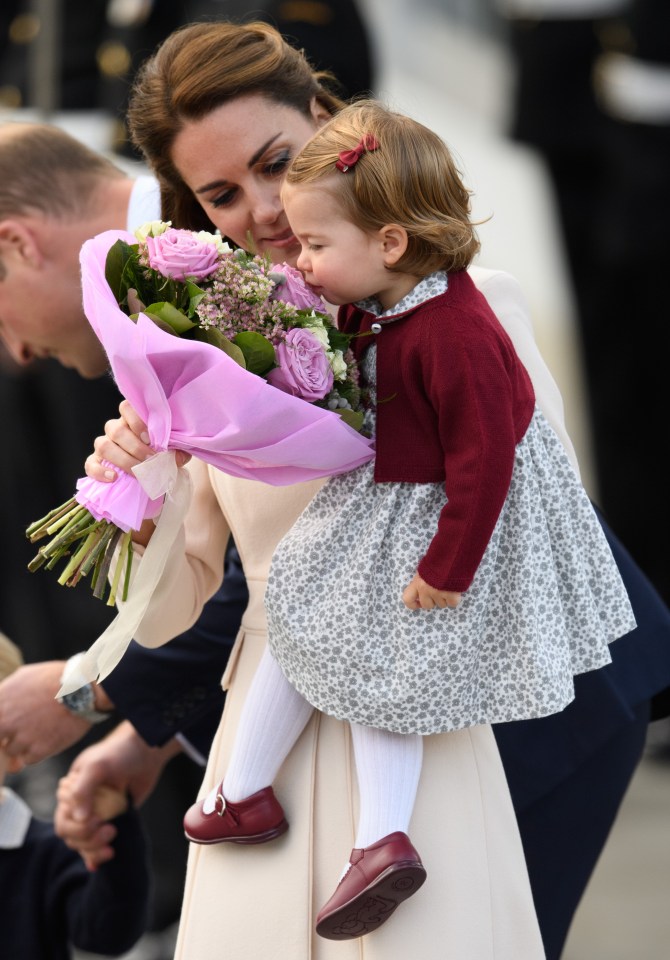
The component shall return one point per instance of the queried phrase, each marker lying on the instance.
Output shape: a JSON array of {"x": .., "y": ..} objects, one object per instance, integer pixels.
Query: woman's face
[{"x": 234, "y": 160}]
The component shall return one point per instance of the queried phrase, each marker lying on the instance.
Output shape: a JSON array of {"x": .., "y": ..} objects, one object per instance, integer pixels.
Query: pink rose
[
  {"x": 304, "y": 370},
  {"x": 294, "y": 290},
  {"x": 179, "y": 254}
]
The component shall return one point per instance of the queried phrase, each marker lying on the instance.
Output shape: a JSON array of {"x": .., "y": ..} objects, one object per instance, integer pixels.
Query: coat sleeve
[{"x": 194, "y": 569}]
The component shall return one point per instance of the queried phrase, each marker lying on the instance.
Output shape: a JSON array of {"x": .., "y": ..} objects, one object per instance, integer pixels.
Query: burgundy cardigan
[{"x": 453, "y": 401}]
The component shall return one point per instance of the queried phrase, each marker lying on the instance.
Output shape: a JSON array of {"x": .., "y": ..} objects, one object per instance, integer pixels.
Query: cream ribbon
[{"x": 158, "y": 475}]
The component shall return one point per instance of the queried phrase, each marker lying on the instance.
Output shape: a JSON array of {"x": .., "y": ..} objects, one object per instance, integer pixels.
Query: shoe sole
[
  {"x": 254, "y": 838},
  {"x": 373, "y": 906}
]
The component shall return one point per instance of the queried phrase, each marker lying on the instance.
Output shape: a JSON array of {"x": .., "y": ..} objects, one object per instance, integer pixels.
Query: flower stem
[
  {"x": 122, "y": 559},
  {"x": 38, "y": 529},
  {"x": 73, "y": 567},
  {"x": 105, "y": 562},
  {"x": 72, "y": 530},
  {"x": 129, "y": 564}
]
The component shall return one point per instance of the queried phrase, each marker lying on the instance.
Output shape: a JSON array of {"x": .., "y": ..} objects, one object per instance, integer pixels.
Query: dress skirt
[
  {"x": 546, "y": 600},
  {"x": 256, "y": 902}
]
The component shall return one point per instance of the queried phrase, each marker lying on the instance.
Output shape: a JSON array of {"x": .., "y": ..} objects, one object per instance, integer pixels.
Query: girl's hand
[
  {"x": 125, "y": 444},
  {"x": 418, "y": 595}
]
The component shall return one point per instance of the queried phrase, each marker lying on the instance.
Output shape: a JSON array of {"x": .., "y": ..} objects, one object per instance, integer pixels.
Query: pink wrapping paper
[{"x": 193, "y": 397}]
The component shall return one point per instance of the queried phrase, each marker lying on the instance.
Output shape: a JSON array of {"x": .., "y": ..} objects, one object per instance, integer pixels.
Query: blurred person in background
[{"x": 592, "y": 95}]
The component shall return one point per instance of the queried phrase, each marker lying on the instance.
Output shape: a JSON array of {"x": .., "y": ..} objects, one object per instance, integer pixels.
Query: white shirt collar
[
  {"x": 145, "y": 203},
  {"x": 15, "y": 817},
  {"x": 427, "y": 288}
]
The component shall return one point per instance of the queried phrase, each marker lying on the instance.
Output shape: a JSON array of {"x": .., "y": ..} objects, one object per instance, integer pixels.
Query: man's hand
[{"x": 33, "y": 725}]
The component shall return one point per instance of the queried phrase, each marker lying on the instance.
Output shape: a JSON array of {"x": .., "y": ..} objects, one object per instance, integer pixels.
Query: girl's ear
[{"x": 393, "y": 242}]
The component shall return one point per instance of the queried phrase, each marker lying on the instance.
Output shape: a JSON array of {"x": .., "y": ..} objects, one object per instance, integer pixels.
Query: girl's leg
[
  {"x": 388, "y": 766},
  {"x": 384, "y": 868},
  {"x": 273, "y": 717}
]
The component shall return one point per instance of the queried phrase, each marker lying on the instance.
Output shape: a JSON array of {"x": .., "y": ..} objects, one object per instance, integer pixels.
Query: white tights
[{"x": 388, "y": 765}]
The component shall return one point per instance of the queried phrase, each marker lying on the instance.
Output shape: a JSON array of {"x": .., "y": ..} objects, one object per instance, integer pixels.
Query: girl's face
[
  {"x": 234, "y": 160},
  {"x": 342, "y": 262}
]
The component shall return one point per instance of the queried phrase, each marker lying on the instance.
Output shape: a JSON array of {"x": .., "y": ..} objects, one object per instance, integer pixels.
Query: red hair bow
[{"x": 347, "y": 158}]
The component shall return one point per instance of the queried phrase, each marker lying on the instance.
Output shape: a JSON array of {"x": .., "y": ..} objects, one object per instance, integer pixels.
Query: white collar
[
  {"x": 15, "y": 818},
  {"x": 145, "y": 203},
  {"x": 427, "y": 288}
]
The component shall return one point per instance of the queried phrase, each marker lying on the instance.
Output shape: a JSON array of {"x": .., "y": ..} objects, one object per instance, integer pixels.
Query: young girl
[{"x": 461, "y": 579}]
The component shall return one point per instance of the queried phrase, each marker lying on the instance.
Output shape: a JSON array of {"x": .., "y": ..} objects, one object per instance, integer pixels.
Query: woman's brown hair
[{"x": 197, "y": 69}]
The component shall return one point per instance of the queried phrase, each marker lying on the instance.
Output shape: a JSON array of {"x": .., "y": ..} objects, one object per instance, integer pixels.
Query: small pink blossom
[
  {"x": 294, "y": 289},
  {"x": 180, "y": 254},
  {"x": 304, "y": 370}
]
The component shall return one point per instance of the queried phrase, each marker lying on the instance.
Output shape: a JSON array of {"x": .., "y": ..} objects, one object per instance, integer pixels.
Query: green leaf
[
  {"x": 353, "y": 417},
  {"x": 195, "y": 294},
  {"x": 259, "y": 353},
  {"x": 118, "y": 256},
  {"x": 338, "y": 340},
  {"x": 216, "y": 339},
  {"x": 169, "y": 314},
  {"x": 157, "y": 320}
]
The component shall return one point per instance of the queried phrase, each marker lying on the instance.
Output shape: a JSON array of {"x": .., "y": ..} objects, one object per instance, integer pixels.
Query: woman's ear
[
  {"x": 394, "y": 243},
  {"x": 318, "y": 112}
]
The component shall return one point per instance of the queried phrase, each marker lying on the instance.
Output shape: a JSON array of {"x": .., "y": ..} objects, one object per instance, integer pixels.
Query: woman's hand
[
  {"x": 124, "y": 445},
  {"x": 419, "y": 595}
]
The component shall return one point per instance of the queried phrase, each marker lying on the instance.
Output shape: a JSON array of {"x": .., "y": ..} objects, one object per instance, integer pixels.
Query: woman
[{"x": 218, "y": 112}]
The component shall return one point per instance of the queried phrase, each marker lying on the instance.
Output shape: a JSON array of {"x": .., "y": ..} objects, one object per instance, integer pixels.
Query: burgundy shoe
[
  {"x": 254, "y": 820},
  {"x": 379, "y": 878}
]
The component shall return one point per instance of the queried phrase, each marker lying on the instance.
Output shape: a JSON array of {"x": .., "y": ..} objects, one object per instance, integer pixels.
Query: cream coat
[{"x": 251, "y": 903}]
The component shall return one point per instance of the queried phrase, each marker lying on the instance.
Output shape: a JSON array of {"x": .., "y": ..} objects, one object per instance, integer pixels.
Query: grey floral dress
[{"x": 546, "y": 600}]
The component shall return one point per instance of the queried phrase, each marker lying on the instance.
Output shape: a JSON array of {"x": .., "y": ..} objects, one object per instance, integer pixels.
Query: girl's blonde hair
[
  {"x": 410, "y": 180},
  {"x": 10, "y": 657}
]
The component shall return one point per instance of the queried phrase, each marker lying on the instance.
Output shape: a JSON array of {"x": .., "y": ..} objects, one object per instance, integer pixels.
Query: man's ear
[
  {"x": 394, "y": 243},
  {"x": 19, "y": 244}
]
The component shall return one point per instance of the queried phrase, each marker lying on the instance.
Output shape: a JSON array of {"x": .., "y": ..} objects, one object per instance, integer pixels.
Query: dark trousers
[{"x": 563, "y": 832}]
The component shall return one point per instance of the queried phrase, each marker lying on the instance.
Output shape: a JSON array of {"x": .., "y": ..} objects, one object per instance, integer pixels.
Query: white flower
[
  {"x": 316, "y": 326},
  {"x": 153, "y": 228},
  {"x": 204, "y": 237},
  {"x": 338, "y": 364}
]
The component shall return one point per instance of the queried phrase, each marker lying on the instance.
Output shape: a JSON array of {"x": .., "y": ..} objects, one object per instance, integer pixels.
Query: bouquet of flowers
[{"x": 259, "y": 383}]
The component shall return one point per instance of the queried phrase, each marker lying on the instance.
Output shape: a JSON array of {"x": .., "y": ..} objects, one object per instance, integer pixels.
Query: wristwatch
[{"x": 81, "y": 702}]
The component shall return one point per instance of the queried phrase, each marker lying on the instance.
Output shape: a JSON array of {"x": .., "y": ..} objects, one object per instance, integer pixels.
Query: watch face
[{"x": 80, "y": 701}]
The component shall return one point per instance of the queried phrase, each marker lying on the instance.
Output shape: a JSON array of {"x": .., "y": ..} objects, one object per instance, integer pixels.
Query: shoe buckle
[{"x": 220, "y": 798}]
